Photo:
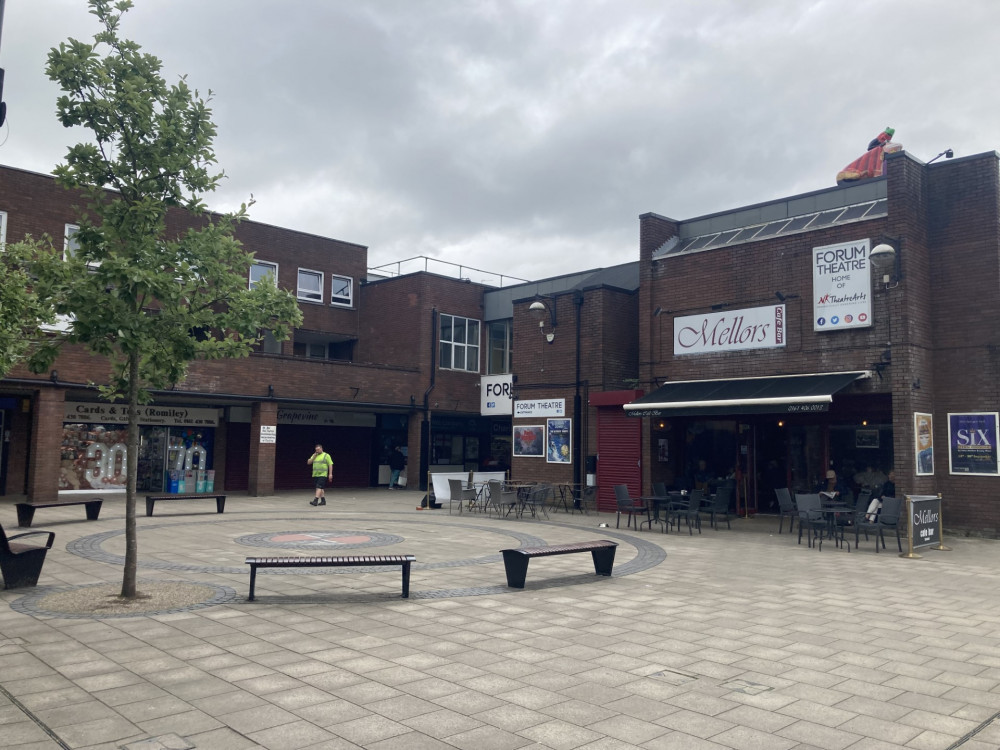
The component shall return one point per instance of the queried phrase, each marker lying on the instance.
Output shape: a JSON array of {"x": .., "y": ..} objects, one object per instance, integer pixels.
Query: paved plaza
[{"x": 736, "y": 638}]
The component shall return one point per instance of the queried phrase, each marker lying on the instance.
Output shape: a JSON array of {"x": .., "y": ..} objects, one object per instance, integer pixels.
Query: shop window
[
  {"x": 341, "y": 290},
  {"x": 310, "y": 285},
  {"x": 260, "y": 270},
  {"x": 501, "y": 336},
  {"x": 459, "y": 342}
]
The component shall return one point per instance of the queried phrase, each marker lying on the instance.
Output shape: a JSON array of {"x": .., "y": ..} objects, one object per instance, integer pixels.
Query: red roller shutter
[{"x": 619, "y": 447}]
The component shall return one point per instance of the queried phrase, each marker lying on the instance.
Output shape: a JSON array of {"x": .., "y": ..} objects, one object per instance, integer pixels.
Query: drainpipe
[
  {"x": 577, "y": 401},
  {"x": 425, "y": 427}
]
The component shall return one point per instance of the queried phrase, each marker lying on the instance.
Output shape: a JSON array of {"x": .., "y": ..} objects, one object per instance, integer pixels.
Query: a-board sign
[{"x": 925, "y": 520}]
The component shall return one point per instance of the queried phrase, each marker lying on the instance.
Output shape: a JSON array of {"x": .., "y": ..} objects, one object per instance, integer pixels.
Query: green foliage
[
  {"x": 22, "y": 310},
  {"x": 130, "y": 288}
]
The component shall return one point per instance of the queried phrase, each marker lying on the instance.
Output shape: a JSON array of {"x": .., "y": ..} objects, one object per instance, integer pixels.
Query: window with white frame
[
  {"x": 70, "y": 243},
  {"x": 260, "y": 269},
  {"x": 341, "y": 290},
  {"x": 459, "y": 343},
  {"x": 310, "y": 285},
  {"x": 3, "y": 228}
]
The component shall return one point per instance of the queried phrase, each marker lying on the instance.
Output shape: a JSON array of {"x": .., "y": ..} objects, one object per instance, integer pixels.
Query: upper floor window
[
  {"x": 501, "y": 333},
  {"x": 70, "y": 243},
  {"x": 310, "y": 285},
  {"x": 260, "y": 269},
  {"x": 3, "y": 228},
  {"x": 341, "y": 290},
  {"x": 459, "y": 343}
]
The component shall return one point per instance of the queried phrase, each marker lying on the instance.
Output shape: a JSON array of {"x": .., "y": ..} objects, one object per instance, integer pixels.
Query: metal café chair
[
  {"x": 629, "y": 505},
  {"x": 689, "y": 510},
  {"x": 786, "y": 507},
  {"x": 461, "y": 494}
]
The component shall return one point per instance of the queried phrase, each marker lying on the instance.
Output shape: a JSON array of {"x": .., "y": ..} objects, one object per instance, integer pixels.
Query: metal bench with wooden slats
[
  {"x": 515, "y": 561},
  {"x": 332, "y": 562},
  {"x": 26, "y": 511},
  {"x": 220, "y": 500}
]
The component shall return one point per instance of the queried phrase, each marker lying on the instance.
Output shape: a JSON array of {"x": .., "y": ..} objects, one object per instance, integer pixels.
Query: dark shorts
[{"x": 320, "y": 482}]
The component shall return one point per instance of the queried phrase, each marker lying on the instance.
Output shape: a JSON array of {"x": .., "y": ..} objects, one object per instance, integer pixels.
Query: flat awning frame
[{"x": 780, "y": 394}]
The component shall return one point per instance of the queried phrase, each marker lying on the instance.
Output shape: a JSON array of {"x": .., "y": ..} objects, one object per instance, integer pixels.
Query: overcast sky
[{"x": 526, "y": 137}]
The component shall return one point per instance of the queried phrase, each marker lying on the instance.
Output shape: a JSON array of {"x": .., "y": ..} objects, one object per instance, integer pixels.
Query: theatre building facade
[{"x": 853, "y": 329}]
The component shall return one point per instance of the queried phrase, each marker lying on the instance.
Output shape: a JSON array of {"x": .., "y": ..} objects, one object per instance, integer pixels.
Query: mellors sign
[{"x": 755, "y": 328}]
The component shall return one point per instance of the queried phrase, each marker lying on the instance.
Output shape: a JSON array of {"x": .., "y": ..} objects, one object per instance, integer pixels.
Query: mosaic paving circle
[{"x": 316, "y": 540}]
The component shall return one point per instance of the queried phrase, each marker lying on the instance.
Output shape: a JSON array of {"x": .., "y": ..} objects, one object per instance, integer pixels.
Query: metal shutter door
[{"x": 619, "y": 440}]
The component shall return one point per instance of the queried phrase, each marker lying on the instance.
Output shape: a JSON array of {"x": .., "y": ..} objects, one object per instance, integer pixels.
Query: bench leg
[
  {"x": 253, "y": 580},
  {"x": 220, "y": 503},
  {"x": 93, "y": 509},
  {"x": 406, "y": 580},
  {"x": 149, "y": 506},
  {"x": 24, "y": 514},
  {"x": 604, "y": 560},
  {"x": 516, "y": 566}
]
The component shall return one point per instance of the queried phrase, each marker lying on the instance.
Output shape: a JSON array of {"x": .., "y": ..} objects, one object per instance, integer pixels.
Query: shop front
[
  {"x": 766, "y": 433},
  {"x": 176, "y": 448}
]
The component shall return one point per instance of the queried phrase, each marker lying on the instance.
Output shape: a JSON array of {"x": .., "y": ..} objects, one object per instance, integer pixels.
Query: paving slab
[{"x": 732, "y": 639}]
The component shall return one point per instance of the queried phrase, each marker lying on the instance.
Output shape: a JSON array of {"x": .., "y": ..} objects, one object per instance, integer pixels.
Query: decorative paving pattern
[
  {"x": 33, "y": 603},
  {"x": 647, "y": 555},
  {"x": 319, "y": 540}
]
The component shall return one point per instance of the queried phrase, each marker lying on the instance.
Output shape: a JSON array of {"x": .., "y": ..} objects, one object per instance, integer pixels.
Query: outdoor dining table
[
  {"x": 664, "y": 502},
  {"x": 571, "y": 491},
  {"x": 832, "y": 513}
]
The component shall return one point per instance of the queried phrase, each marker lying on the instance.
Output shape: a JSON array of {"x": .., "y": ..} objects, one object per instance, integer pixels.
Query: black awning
[{"x": 786, "y": 394}]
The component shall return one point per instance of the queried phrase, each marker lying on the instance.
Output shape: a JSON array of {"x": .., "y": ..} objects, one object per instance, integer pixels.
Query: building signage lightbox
[
  {"x": 842, "y": 286},
  {"x": 495, "y": 397},
  {"x": 169, "y": 416},
  {"x": 733, "y": 330},
  {"x": 554, "y": 407}
]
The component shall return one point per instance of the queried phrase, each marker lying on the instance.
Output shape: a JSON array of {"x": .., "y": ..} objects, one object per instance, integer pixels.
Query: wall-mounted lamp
[
  {"x": 884, "y": 258},
  {"x": 947, "y": 154},
  {"x": 540, "y": 311},
  {"x": 54, "y": 376},
  {"x": 270, "y": 391},
  {"x": 781, "y": 297},
  {"x": 657, "y": 311},
  {"x": 720, "y": 305}
]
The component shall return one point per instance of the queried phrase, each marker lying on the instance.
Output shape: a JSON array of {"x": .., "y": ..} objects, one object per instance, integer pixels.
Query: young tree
[
  {"x": 149, "y": 301},
  {"x": 22, "y": 311}
]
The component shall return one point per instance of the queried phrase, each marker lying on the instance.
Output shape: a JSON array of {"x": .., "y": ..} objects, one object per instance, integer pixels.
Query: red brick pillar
[
  {"x": 265, "y": 413},
  {"x": 46, "y": 444}
]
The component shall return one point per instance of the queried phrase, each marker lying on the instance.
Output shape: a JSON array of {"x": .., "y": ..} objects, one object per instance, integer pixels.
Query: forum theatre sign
[{"x": 842, "y": 286}]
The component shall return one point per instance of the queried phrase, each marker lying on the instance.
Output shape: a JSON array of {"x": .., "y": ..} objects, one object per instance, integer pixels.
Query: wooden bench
[
  {"x": 331, "y": 562},
  {"x": 515, "y": 561},
  {"x": 20, "y": 563},
  {"x": 220, "y": 500},
  {"x": 26, "y": 511}
]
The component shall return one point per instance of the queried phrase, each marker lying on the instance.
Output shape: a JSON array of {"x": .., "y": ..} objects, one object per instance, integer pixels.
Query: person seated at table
[
  {"x": 702, "y": 476},
  {"x": 889, "y": 486},
  {"x": 871, "y": 478},
  {"x": 833, "y": 488}
]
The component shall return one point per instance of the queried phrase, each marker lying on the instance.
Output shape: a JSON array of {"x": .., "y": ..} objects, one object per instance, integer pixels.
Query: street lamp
[{"x": 539, "y": 310}]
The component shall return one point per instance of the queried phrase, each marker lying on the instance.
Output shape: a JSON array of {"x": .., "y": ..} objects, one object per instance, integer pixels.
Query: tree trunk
[{"x": 132, "y": 458}]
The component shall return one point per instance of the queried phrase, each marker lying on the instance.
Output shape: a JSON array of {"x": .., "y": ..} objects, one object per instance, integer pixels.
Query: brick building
[
  {"x": 877, "y": 354},
  {"x": 769, "y": 341}
]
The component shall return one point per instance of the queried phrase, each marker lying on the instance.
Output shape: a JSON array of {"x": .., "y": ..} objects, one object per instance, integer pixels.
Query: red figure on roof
[{"x": 871, "y": 164}]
